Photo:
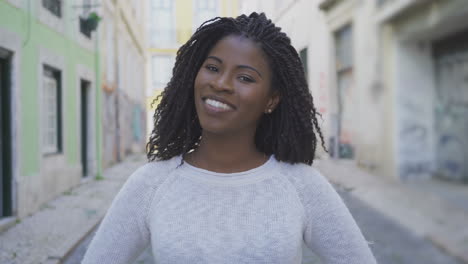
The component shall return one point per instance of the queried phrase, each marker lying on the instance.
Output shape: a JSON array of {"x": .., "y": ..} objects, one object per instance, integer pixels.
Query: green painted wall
[{"x": 35, "y": 34}]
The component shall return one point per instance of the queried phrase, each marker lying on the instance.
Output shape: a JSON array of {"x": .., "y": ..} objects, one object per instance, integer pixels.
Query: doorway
[
  {"x": 345, "y": 120},
  {"x": 85, "y": 126},
  {"x": 5, "y": 135},
  {"x": 451, "y": 107}
]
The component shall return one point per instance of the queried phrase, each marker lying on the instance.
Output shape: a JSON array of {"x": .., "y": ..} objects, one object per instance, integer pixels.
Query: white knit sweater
[{"x": 191, "y": 215}]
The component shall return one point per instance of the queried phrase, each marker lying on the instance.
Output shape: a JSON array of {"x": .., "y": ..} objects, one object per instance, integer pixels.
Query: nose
[{"x": 222, "y": 83}]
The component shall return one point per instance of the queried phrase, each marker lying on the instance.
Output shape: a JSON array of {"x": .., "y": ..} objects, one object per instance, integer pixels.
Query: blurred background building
[
  {"x": 72, "y": 76},
  {"x": 390, "y": 78},
  {"x": 171, "y": 23},
  {"x": 123, "y": 52}
]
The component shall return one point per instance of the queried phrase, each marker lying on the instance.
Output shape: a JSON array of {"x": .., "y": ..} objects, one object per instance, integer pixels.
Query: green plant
[
  {"x": 92, "y": 21},
  {"x": 94, "y": 16}
]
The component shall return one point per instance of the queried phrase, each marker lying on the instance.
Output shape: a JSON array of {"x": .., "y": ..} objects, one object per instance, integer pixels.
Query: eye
[
  {"x": 247, "y": 79},
  {"x": 211, "y": 67}
]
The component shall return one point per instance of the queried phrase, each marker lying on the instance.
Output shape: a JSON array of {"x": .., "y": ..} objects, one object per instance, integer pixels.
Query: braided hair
[{"x": 290, "y": 132}]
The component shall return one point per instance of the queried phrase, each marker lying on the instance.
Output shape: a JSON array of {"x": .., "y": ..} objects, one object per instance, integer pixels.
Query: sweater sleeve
[
  {"x": 330, "y": 230},
  {"x": 123, "y": 233}
]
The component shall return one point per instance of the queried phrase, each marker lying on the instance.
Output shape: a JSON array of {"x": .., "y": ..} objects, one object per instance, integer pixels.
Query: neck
[{"x": 226, "y": 153}]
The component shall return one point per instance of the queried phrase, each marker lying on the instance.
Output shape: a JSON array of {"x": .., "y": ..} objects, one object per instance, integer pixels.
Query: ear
[{"x": 272, "y": 102}]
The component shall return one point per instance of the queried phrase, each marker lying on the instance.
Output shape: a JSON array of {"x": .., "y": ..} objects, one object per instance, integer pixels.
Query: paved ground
[{"x": 391, "y": 243}]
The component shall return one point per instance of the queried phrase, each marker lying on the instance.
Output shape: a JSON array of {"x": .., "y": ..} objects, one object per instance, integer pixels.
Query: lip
[{"x": 219, "y": 99}]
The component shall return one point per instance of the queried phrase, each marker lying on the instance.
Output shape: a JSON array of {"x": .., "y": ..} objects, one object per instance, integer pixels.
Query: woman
[{"x": 229, "y": 178}]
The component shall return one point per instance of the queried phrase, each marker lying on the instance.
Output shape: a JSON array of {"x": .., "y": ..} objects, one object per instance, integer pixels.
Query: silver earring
[{"x": 269, "y": 111}]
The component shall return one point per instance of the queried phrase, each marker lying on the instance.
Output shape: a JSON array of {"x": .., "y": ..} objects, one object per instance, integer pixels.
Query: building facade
[
  {"x": 171, "y": 23},
  {"x": 411, "y": 75},
  {"x": 49, "y": 113},
  {"x": 123, "y": 50},
  {"x": 390, "y": 79}
]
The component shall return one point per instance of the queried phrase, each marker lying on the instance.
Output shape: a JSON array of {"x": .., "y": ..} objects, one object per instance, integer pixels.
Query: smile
[{"x": 217, "y": 105}]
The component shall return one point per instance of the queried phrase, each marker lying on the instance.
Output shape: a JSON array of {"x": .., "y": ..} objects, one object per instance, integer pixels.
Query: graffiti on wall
[
  {"x": 414, "y": 143},
  {"x": 108, "y": 129},
  {"x": 452, "y": 140},
  {"x": 451, "y": 111},
  {"x": 123, "y": 126},
  {"x": 450, "y": 164},
  {"x": 415, "y": 140},
  {"x": 323, "y": 94}
]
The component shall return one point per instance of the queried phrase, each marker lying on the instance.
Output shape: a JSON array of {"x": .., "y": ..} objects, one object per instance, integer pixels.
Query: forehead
[{"x": 240, "y": 50}]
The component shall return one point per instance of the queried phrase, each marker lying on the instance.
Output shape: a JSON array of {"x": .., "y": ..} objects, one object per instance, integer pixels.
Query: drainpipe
[
  {"x": 98, "y": 116},
  {"x": 117, "y": 88}
]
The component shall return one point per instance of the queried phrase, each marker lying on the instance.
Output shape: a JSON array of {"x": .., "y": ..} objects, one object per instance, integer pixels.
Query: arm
[
  {"x": 331, "y": 231},
  {"x": 123, "y": 233}
]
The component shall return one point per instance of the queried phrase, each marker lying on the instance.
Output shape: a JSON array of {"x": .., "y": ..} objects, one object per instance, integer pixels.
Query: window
[
  {"x": 85, "y": 27},
  {"x": 110, "y": 52},
  {"x": 344, "y": 47},
  {"x": 346, "y": 100},
  {"x": 51, "y": 113},
  {"x": 52, "y": 13},
  {"x": 204, "y": 10},
  {"x": 162, "y": 71},
  {"x": 54, "y": 6},
  {"x": 162, "y": 30}
]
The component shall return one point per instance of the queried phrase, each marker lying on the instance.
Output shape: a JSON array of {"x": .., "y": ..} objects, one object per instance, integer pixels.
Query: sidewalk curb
[{"x": 73, "y": 248}]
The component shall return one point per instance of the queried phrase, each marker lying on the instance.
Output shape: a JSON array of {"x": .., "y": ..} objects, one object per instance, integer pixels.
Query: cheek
[
  {"x": 256, "y": 94},
  {"x": 196, "y": 83},
  {"x": 201, "y": 80},
  {"x": 255, "y": 100}
]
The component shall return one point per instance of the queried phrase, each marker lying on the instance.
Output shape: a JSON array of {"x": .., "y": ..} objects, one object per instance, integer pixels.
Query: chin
[{"x": 214, "y": 128}]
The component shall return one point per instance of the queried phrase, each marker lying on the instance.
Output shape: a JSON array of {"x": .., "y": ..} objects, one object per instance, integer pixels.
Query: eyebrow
[{"x": 239, "y": 66}]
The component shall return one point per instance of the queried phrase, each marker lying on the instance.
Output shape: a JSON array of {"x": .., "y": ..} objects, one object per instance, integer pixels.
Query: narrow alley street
[
  {"x": 371, "y": 93},
  {"x": 390, "y": 242}
]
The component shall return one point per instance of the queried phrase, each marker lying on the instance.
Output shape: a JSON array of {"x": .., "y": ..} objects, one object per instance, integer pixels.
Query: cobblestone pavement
[{"x": 390, "y": 242}]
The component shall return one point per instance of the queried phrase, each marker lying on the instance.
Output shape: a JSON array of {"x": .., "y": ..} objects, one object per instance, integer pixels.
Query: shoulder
[
  {"x": 152, "y": 174},
  {"x": 311, "y": 186},
  {"x": 300, "y": 174}
]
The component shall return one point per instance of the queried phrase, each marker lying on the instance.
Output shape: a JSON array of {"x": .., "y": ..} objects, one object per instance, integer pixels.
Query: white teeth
[{"x": 217, "y": 104}]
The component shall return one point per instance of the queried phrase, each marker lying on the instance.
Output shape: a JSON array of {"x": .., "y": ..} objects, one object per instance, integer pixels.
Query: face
[{"x": 233, "y": 87}]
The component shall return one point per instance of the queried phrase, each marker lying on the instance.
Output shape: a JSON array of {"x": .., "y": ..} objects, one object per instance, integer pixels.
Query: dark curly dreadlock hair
[{"x": 290, "y": 132}]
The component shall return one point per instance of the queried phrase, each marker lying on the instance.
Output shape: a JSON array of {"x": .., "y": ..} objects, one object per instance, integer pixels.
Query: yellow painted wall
[
  {"x": 162, "y": 51},
  {"x": 184, "y": 19},
  {"x": 229, "y": 8},
  {"x": 149, "y": 101}
]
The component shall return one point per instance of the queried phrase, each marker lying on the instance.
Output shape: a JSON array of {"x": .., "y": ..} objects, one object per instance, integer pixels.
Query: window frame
[
  {"x": 162, "y": 64},
  {"x": 204, "y": 6},
  {"x": 53, "y": 21},
  {"x": 160, "y": 34},
  {"x": 60, "y": 8},
  {"x": 49, "y": 74}
]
